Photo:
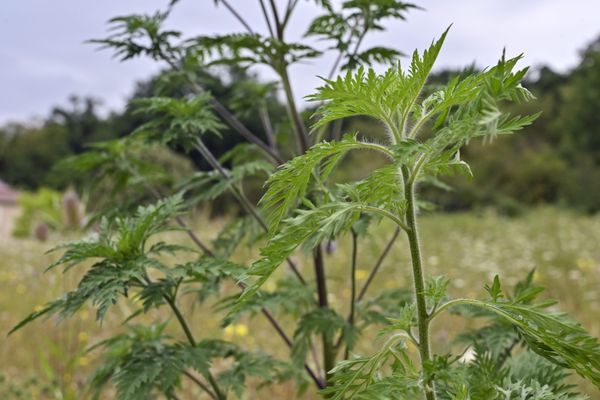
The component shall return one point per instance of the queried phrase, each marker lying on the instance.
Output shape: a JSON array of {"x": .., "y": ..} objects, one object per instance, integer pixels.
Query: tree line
[{"x": 556, "y": 161}]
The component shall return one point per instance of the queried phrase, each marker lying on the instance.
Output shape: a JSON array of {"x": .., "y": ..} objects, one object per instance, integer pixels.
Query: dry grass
[{"x": 469, "y": 248}]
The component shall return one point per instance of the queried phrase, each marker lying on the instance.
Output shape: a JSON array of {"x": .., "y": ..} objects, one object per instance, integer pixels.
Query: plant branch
[
  {"x": 352, "y": 286},
  {"x": 241, "y": 197},
  {"x": 278, "y": 25},
  {"x": 238, "y": 194},
  {"x": 387, "y": 214},
  {"x": 190, "y": 337},
  {"x": 268, "y": 126},
  {"x": 415, "y": 171},
  {"x": 235, "y": 123},
  {"x": 288, "y": 11},
  {"x": 415, "y": 129},
  {"x": 378, "y": 264},
  {"x": 200, "y": 384},
  {"x": 267, "y": 20},
  {"x": 227, "y": 116},
  {"x": 299, "y": 128},
  {"x": 328, "y": 350},
  {"x": 237, "y": 16}
]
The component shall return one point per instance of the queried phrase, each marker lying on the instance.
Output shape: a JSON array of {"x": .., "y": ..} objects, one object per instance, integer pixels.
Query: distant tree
[{"x": 579, "y": 118}]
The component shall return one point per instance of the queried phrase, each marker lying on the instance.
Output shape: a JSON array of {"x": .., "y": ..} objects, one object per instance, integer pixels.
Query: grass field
[{"x": 47, "y": 360}]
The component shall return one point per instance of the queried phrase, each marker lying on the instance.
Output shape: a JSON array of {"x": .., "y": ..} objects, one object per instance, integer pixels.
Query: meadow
[{"x": 48, "y": 360}]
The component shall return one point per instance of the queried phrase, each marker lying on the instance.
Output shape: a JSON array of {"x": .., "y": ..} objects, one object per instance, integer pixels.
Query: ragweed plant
[{"x": 525, "y": 351}]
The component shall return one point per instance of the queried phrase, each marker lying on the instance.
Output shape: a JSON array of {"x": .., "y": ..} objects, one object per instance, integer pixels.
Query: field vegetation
[
  {"x": 235, "y": 245},
  {"x": 561, "y": 245}
]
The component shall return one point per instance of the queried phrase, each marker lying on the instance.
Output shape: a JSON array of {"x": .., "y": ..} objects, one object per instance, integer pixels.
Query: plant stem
[
  {"x": 268, "y": 126},
  {"x": 418, "y": 277},
  {"x": 328, "y": 350},
  {"x": 378, "y": 264},
  {"x": 267, "y": 20},
  {"x": 299, "y": 127},
  {"x": 352, "y": 286},
  {"x": 241, "y": 197},
  {"x": 238, "y": 16},
  {"x": 278, "y": 25},
  {"x": 188, "y": 333},
  {"x": 200, "y": 383},
  {"x": 226, "y": 115}
]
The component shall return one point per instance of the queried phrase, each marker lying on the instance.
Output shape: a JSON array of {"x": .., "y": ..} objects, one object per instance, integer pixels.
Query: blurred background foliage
[{"x": 557, "y": 160}]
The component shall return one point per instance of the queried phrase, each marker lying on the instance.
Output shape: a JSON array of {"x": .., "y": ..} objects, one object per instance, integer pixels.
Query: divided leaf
[{"x": 289, "y": 184}]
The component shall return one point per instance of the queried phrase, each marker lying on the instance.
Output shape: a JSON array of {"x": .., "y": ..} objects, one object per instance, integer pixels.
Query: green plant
[
  {"x": 43, "y": 206},
  {"x": 524, "y": 351}
]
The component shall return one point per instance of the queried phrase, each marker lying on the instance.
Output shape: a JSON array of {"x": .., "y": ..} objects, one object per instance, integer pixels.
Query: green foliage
[
  {"x": 176, "y": 121},
  {"x": 124, "y": 261},
  {"x": 319, "y": 321},
  {"x": 550, "y": 334},
  {"x": 291, "y": 181},
  {"x": 249, "y": 49},
  {"x": 347, "y": 26},
  {"x": 43, "y": 206},
  {"x": 207, "y": 186},
  {"x": 130, "y": 34},
  {"x": 360, "y": 378},
  {"x": 145, "y": 361},
  {"x": 311, "y": 226},
  {"x": 304, "y": 206}
]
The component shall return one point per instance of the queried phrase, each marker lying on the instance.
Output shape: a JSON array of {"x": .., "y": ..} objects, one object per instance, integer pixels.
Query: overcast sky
[{"x": 43, "y": 59}]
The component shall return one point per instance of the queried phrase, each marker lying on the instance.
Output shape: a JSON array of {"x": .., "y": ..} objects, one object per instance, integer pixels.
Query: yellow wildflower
[
  {"x": 241, "y": 330},
  {"x": 361, "y": 274}
]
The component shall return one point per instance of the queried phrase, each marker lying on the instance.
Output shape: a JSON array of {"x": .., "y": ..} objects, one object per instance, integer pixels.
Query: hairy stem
[{"x": 418, "y": 277}]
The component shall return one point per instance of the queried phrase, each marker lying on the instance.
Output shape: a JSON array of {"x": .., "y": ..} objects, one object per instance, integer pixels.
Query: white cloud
[{"x": 47, "y": 59}]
